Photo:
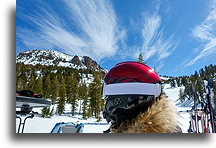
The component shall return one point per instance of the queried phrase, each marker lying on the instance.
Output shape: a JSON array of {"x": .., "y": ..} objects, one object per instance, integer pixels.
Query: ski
[
  {"x": 195, "y": 116},
  {"x": 210, "y": 102},
  {"x": 202, "y": 119}
]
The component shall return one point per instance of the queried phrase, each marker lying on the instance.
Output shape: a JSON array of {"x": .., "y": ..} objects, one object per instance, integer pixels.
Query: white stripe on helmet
[{"x": 132, "y": 88}]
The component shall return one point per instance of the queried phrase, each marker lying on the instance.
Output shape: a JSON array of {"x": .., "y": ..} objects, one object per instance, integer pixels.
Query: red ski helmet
[{"x": 128, "y": 78}]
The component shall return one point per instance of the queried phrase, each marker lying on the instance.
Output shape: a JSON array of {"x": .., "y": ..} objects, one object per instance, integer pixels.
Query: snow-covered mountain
[{"x": 56, "y": 58}]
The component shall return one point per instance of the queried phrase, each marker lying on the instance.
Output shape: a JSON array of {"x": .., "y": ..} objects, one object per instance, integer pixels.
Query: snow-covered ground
[
  {"x": 173, "y": 95},
  {"x": 45, "y": 125}
]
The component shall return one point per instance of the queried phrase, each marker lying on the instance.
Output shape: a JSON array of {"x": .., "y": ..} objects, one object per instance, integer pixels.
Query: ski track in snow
[{"x": 45, "y": 125}]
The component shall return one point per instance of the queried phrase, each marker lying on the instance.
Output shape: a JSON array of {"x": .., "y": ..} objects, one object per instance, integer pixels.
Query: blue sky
[{"x": 177, "y": 37}]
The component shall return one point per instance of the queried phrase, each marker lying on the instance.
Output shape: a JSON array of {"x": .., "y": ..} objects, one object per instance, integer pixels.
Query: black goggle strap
[
  {"x": 125, "y": 102},
  {"x": 117, "y": 102}
]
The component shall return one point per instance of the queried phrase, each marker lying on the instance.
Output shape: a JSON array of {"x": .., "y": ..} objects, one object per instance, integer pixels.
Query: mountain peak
[{"x": 56, "y": 58}]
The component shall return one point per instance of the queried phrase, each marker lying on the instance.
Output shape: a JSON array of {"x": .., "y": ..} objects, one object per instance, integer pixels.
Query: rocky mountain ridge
[{"x": 56, "y": 58}]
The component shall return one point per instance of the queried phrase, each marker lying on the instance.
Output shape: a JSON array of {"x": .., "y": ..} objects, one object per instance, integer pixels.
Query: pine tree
[
  {"x": 69, "y": 91},
  {"x": 188, "y": 88},
  {"x": 196, "y": 74},
  {"x": 140, "y": 59},
  {"x": 46, "y": 112},
  {"x": 172, "y": 83},
  {"x": 83, "y": 94},
  {"x": 21, "y": 77},
  {"x": 62, "y": 95},
  {"x": 202, "y": 73},
  {"x": 178, "y": 82},
  {"x": 184, "y": 80},
  {"x": 54, "y": 89},
  {"x": 47, "y": 87},
  {"x": 38, "y": 87},
  {"x": 95, "y": 93},
  {"x": 199, "y": 87},
  {"x": 163, "y": 92},
  {"x": 74, "y": 94},
  {"x": 181, "y": 95},
  {"x": 20, "y": 83},
  {"x": 32, "y": 81}
]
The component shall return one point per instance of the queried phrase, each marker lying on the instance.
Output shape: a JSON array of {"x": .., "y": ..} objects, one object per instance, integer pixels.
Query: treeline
[
  {"x": 63, "y": 85},
  {"x": 196, "y": 80}
]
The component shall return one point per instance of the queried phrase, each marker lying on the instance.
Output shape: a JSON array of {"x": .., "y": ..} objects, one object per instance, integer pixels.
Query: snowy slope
[
  {"x": 172, "y": 93},
  {"x": 173, "y": 96}
]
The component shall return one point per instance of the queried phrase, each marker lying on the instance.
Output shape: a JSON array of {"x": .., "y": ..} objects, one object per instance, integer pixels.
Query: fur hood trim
[{"x": 161, "y": 117}]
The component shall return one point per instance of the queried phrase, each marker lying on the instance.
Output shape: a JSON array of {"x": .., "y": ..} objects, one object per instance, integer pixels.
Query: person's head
[{"x": 129, "y": 88}]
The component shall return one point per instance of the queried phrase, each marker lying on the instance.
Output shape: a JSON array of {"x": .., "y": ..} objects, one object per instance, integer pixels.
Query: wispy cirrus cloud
[
  {"x": 205, "y": 33},
  {"x": 98, "y": 22},
  {"x": 155, "y": 44},
  {"x": 82, "y": 27}
]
